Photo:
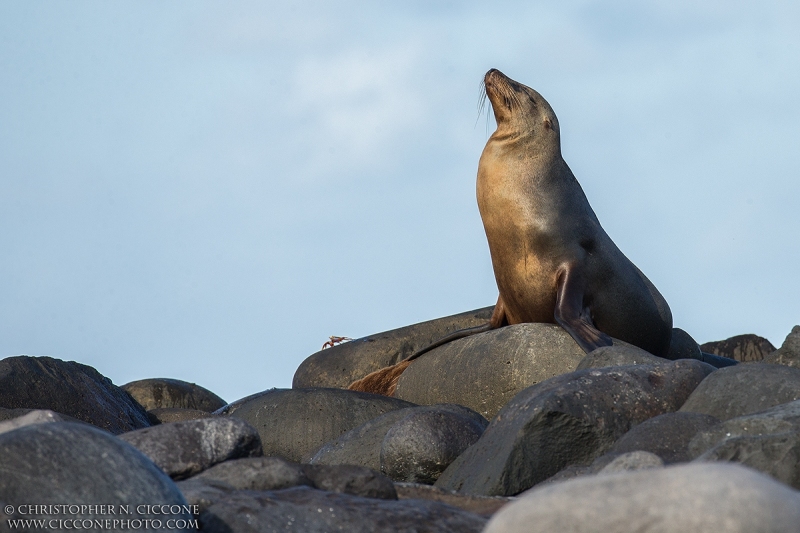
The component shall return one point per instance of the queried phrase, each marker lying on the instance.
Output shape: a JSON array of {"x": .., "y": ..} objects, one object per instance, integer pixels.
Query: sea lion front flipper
[{"x": 572, "y": 315}]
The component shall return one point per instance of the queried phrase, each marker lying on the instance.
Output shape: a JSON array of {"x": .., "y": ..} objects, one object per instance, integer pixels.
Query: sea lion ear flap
[
  {"x": 571, "y": 314},
  {"x": 548, "y": 124}
]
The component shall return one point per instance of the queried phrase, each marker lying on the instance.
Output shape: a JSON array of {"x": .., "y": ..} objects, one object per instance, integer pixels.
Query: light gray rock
[
  {"x": 341, "y": 365},
  {"x": 314, "y": 511},
  {"x": 482, "y": 505},
  {"x": 165, "y": 393},
  {"x": 202, "y": 493},
  {"x": 618, "y": 356},
  {"x": 630, "y": 461},
  {"x": 789, "y": 352},
  {"x": 76, "y": 464},
  {"x": 569, "y": 419},
  {"x": 182, "y": 449},
  {"x": 484, "y": 371},
  {"x": 295, "y": 423},
  {"x": 68, "y": 388},
  {"x": 36, "y": 416},
  {"x": 257, "y": 473},
  {"x": 692, "y": 498},
  {"x": 744, "y": 389}
]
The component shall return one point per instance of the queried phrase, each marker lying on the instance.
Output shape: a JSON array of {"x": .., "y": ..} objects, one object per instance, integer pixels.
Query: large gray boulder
[
  {"x": 315, "y": 511},
  {"x": 68, "y": 388},
  {"x": 789, "y": 352},
  {"x": 484, "y": 371},
  {"x": 744, "y": 389},
  {"x": 295, "y": 423},
  {"x": 341, "y": 365},
  {"x": 414, "y": 444},
  {"x": 165, "y": 393},
  {"x": 693, "y": 498},
  {"x": 182, "y": 449},
  {"x": 65, "y": 463},
  {"x": 618, "y": 356},
  {"x": 569, "y": 419}
]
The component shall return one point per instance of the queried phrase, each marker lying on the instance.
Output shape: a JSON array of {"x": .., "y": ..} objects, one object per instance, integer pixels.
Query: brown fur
[{"x": 383, "y": 381}]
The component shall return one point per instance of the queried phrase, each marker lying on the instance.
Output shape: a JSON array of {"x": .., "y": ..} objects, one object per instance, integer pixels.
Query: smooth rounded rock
[
  {"x": 631, "y": 461},
  {"x": 682, "y": 346},
  {"x": 693, "y": 498},
  {"x": 32, "y": 417},
  {"x": 257, "y": 473},
  {"x": 748, "y": 348},
  {"x": 165, "y": 393},
  {"x": 351, "y": 479},
  {"x": 666, "y": 435},
  {"x": 295, "y": 423},
  {"x": 618, "y": 356},
  {"x": 165, "y": 416},
  {"x": 569, "y": 419},
  {"x": 182, "y": 449},
  {"x": 744, "y": 389},
  {"x": 340, "y": 365},
  {"x": 484, "y": 371},
  {"x": 71, "y": 389},
  {"x": 76, "y": 464},
  {"x": 419, "y": 447}
]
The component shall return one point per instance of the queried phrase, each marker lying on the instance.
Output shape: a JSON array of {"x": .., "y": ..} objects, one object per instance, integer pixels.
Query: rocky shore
[{"x": 512, "y": 430}]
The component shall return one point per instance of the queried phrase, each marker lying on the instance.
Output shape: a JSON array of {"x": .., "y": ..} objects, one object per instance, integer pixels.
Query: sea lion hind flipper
[
  {"x": 383, "y": 381},
  {"x": 572, "y": 315}
]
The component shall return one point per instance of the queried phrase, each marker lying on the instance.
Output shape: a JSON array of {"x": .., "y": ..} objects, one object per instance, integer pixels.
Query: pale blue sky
[{"x": 208, "y": 190}]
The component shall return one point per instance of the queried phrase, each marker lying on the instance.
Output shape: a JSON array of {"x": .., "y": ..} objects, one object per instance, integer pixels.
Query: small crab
[{"x": 334, "y": 341}]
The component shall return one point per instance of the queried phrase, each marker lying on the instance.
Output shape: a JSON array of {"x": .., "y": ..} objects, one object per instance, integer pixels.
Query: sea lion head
[{"x": 520, "y": 112}]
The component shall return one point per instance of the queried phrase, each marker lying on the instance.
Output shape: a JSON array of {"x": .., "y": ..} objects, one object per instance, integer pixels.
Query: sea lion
[{"x": 552, "y": 260}]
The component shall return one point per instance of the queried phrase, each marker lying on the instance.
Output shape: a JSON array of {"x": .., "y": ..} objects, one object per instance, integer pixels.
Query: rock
[
  {"x": 416, "y": 443},
  {"x": 693, "y": 498},
  {"x": 182, "y": 449},
  {"x": 351, "y": 479},
  {"x": 789, "y": 352},
  {"x": 75, "y": 464},
  {"x": 422, "y": 445},
  {"x": 257, "y": 473},
  {"x": 569, "y": 419},
  {"x": 164, "y": 393},
  {"x": 314, "y": 511},
  {"x": 482, "y": 505},
  {"x": 744, "y": 389},
  {"x": 682, "y": 346},
  {"x": 484, "y": 371},
  {"x": 68, "y": 388},
  {"x": 618, "y": 356},
  {"x": 666, "y": 435},
  {"x": 174, "y": 414},
  {"x": 35, "y": 416},
  {"x": 341, "y": 365},
  {"x": 631, "y": 461},
  {"x": 295, "y": 423},
  {"x": 776, "y": 454},
  {"x": 202, "y": 493},
  {"x": 747, "y": 348}
]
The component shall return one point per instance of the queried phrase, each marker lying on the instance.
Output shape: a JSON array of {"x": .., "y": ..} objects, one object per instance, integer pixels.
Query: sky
[{"x": 207, "y": 190}]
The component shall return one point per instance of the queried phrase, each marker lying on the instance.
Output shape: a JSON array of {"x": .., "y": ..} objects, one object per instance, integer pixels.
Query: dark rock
[
  {"x": 257, "y": 473},
  {"x": 295, "y": 423},
  {"x": 482, "y": 505},
  {"x": 68, "y": 388},
  {"x": 747, "y": 348},
  {"x": 776, "y": 454},
  {"x": 202, "y": 493},
  {"x": 174, "y": 414},
  {"x": 182, "y": 449},
  {"x": 164, "y": 393},
  {"x": 666, "y": 435},
  {"x": 789, "y": 352},
  {"x": 569, "y": 419},
  {"x": 631, "y": 461},
  {"x": 351, "y": 479},
  {"x": 744, "y": 389},
  {"x": 692, "y": 498},
  {"x": 362, "y": 445},
  {"x": 32, "y": 417},
  {"x": 484, "y": 371},
  {"x": 341, "y": 365},
  {"x": 682, "y": 346},
  {"x": 419, "y": 447},
  {"x": 75, "y": 464},
  {"x": 618, "y": 356},
  {"x": 314, "y": 511}
]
